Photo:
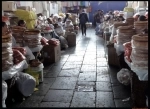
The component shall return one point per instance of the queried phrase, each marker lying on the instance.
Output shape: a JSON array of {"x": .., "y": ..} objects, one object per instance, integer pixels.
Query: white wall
[
  {"x": 26, "y": 3},
  {"x": 38, "y": 6},
  {"x": 53, "y": 8}
]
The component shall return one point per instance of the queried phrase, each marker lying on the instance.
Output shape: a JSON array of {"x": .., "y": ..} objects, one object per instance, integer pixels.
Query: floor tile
[
  {"x": 64, "y": 83},
  {"x": 87, "y": 76},
  {"x": 54, "y": 104},
  {"x": 103, "y": 78},
  {"x": 88, "y": 68},
  {"x": 83, "y": 99},
  {"x": 102, "y": 71},
  {"x": 69, "y": 73},
  {"x": 63, "y": 96},
  {"x": 104, "y": 99},
  {"x": 103, "y": 86}
]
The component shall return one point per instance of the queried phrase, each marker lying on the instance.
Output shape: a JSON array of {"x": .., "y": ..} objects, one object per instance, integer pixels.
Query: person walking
[{"x": 83, "y": 19}]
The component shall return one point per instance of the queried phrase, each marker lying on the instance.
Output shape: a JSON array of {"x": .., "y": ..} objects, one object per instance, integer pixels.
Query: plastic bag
[
  {"x": 119, "y": 48},
  {"x": 33, "y": 73},
  {"x": 39, "y": 69},
  {"x": 26, "y": 83},
  {"x": 142, "y": 72},
  {"x": 4, "y": 90},
  {"x": 29, "y": 53},
  {"x": 123, "y": 76},
  {"x": 13, "y": 70},
  {"x": 36, "y": 49}
]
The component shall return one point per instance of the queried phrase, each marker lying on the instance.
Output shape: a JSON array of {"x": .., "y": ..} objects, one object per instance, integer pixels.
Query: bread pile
[
  {"x": 130, "y": 21},
  {"x": 124, "y": 34},
  {"x": 139, "y": 54},
  {"x": 117, "y": 24},
  {"x": 17, "y": 33},
  {"x": 32, "y": 38},
  {"x": 140, "y": 25},
  {"x": 7, "y": 53}
]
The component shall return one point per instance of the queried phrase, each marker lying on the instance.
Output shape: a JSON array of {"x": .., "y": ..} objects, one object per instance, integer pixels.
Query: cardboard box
[
  {"x": 51, "y": 53},
  {"x": 9, "y": 6}
]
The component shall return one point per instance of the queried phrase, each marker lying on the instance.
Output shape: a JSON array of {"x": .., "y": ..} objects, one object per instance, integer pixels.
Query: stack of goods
[
  {"x": 17, "y": 33},
  {"x": 139, "y": 54},
  {"x": 124, "y": 34},
  {"x": 32, "y": 38},
  {"x": 54, "y": 42},
  {"x": 7, "y": 53},
  {"x": 128, "y": 50},
  {"x": 114, "y": 28},
  {"x": 140, "y": 25},
  {"x": 69, "y": 26},
  {"x": 130, "y": 21}
]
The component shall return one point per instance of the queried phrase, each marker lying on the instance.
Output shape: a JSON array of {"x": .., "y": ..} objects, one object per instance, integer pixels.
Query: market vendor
[
  {"x": 22, "y": 23},
  {"x": 142, "y": 18}
]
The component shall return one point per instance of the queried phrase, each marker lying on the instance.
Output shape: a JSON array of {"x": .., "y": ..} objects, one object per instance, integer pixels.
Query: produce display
[{"x": 7, "y": 54}]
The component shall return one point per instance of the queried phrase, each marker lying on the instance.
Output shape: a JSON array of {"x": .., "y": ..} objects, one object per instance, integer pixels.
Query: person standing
[
  {"x": 83, "y": 19},
  {"x": 94, "y": 17}
]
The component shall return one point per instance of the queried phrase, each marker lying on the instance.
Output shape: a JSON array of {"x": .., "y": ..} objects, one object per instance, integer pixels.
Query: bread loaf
[
  {"x": 139, "y": 44},
  {"x": 143, "y": 38}
]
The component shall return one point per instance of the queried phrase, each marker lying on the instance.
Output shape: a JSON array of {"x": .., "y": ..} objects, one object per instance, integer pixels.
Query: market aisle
[{"x": 81, "y": 78}]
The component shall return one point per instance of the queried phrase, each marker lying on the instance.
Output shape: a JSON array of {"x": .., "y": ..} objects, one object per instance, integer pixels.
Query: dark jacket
[
  {"x": 98, "y": 18},
  {"x": 83, "y": 18}
]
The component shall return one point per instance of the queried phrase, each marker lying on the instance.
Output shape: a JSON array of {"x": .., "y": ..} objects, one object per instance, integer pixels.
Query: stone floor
[{"x": 82, "y": 78}]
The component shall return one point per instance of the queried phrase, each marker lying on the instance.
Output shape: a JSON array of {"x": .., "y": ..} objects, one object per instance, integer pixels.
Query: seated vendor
[
  {"x": 142, "y": 18},
  {"x": 22, "y": 23}
]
